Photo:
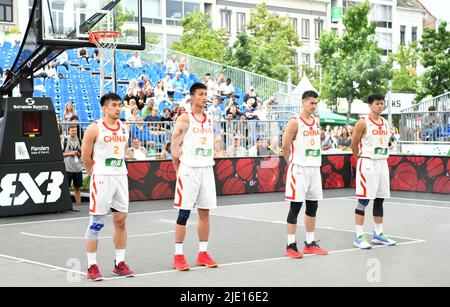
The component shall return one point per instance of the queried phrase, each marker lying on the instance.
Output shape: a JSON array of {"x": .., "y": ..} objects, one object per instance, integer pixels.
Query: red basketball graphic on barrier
[
  {"x": 353, "y": 183},
  {"x": 442, "y": 185},
  {"x": 281, "y": 189},
  {"x": 137, "y": 195},
  {"x": 353, "y": 161},
  {"x": 244, "y": 168},
  {"x": 224, "y": 169},
  {"x": 233, "y": 186},
  {"x": 162, "y": 191},
  {"x": 448, "y": 166},
  {"x": 394, "y": 160},
  {"x": 137, "y": 171},
  {"x": 326, "y": 169},
  {"x": 405, "y": 178},
  {"x": 337, "y": 161},
  {"x": 266, "y": 187},
  {"x": 166, "y": 171},
  {"x": 435, "y": 167},
  {"x": 268, "y": 175},
  {"x": 421, "y": 185},
  {"x": 416, "y": 160},
  {"x": 334, "y": 181}
]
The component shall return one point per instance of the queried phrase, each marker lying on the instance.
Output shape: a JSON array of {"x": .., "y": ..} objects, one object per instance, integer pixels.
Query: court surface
[{"x": 247, "y": 239}]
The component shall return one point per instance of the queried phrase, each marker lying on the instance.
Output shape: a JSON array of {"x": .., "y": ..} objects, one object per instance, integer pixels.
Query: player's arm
[
  {"x": 358, "y": 133},
  {"x": 87, "y": 147},
  {"x": 288, "y": 137},
  {"x": 177, "y": 138}
]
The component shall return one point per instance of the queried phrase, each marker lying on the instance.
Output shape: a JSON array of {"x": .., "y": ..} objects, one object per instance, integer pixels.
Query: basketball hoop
[{"x": 104, "y": 39}]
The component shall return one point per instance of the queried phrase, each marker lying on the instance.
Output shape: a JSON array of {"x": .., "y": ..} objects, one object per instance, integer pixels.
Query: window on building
[
  {"x": 225, "y": 20},
  {"x": 318, "y": 27},
  {"x": 414, "y": 34},
  {"x": 151, "y": 8},
  {"x": 6, "y": 10},
  {"x": 174, "y": 9},
  {"x": 294, "y": 24},
  {"x": 382, "y": 15},
  {"x": 58, "y": 16},
  {"x": 402, "y": 35},
  {"x": 240, "y": 22},
  {"x": 305, "y": 28},
  {"x": 306, "y": 59},
  {"x": 384, "y": 42}
]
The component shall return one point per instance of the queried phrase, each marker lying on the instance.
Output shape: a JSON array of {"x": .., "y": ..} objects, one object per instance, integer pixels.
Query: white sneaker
[
  {"x": 361, "y": 242},
  {"x": 382, "y": 239}
]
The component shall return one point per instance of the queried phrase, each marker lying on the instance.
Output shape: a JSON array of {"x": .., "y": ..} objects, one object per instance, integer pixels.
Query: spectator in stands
[
  {"x": 95, "y": 55},
  {"x": 136, "y": 151},
  {"x": 63, "y": 60},
  {"x": 166, "y": 115},
  {"x": 211, "y": 85},
  {"x": 143, "y": 80},
  {"x": 431, "y": 125},
  {"x": 265, "y": 149},
  {"x": 326, "y": 141},
  {"x": 260, "y": 113},
  {"x": 344, "y": 141},
  {"x": 133, "y": 114},
  {"x": 274, "y": 146},
  {"x": 236, "y": 150},
  {"x": 140, "y": 99},
  {"x": 219, "y": 150},
  {"x": 160, "y": 92},
  {"x": 251, "y": 96},
  {"x": 178, "y": 84},
  {"x": 129, "y": 95},
  {"x": 328, "y": 130},
  {"x": 152, "y": 152},
  {"x": 215, "y": 109},
  {"x": 269, "y": 103},
  {"x": 254, "y": 150},
  {"x": 172, "y": 65},
  {"x": 147, "y": 110},
  {"x": 182, "y": 65},
  {"x": 231, "y": 102},
  {"x": 179, "y": 111},
  {"x": 234, "y": 112},
  {"x": 350, "y": 130},
  {"x": 168, "y": 85},
  {"x": 166, "y": 153},
  {"x": 80, "y": 133},
  {"x": 220, "y": 79},
  {"x": 72, "y": 161},
  {"x": 69, "y": 111},
  {"x": 153, "y": 117},
  {"x": 83, "y": 53},
  {"x": 248, "y": 110},
  {"x": 226, "y": 89},
  {"x": 135, "y": 61},
  {"x": 335, "y": 137}
]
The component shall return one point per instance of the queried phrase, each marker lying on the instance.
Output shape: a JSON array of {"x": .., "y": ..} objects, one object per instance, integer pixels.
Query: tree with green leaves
[
  {"x": 270, "y": 47},
  {"x": 435, "y": 53},
  {"x": 200, "y": 40},
  {"x": 352, "y": 64},
  {"x": 405, "y": 78}
]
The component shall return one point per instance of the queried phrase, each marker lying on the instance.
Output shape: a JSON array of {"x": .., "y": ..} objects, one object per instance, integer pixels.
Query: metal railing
[
  {"x": 264, "y": 86},
  {"x": 425, "y": 126},
  {"x": 441, "y": 103}
]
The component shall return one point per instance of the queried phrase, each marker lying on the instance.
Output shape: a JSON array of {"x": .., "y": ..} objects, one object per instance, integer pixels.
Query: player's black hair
[
  {"x": 110, "y": 96},
  {"x": 197, "y": 86},
  {"x": 309, "y": 94},
  {"x": 375, "y": 96}
]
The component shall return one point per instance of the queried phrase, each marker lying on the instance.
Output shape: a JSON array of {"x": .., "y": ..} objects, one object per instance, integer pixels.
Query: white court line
[
  {"x": 151, "y": 212},
  {"x": 263, "y": 260},
  {"x": 320, "y": 227},
  {"x": 83, "y": 238},
  {"x": 426, "y": 200},
  {"x": 410, "y": 205}
]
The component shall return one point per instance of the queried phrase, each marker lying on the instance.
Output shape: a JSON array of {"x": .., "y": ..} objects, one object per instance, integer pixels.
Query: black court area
[{"x": 248, "y": 239}]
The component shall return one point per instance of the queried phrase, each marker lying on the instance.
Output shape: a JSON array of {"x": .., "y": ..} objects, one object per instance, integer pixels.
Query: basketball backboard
[{"x": 69, "y": 22}]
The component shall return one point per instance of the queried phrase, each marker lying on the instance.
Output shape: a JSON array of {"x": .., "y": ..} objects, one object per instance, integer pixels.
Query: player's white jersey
[
  {"x": 375, "y": 143},
  {"x": 109, "y": 149},
  {"x": 305, "y": 149},
  {"x": 198, "y": 144}
]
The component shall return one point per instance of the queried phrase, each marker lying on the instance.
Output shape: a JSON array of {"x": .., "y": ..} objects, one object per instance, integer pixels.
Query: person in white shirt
[
  {"x": 172, "y": 65},
  {"x": 135, "y": 61},
  {"x": 236, "y": 150},
  {"x": 136, "y": 152},
  {"x": 226, "y": 89}
]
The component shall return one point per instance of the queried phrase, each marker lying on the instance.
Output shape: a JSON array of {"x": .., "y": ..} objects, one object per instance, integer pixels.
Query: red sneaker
[
  {"x": 93, "y": 273},
  {"x": 123, "y": 270},
  {"x": 180, "y": 264},
  {"x": 292, "y": 251},
  {"x": 204, "y": 259},
  {"x": 314, "y": 248}
]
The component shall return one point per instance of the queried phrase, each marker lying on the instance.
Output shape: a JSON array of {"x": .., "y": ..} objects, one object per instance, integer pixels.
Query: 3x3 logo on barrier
[{"x": 31, "y": 188}]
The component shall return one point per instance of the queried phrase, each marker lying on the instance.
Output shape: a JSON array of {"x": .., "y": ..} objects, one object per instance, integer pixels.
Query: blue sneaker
[
  {"x": 361, "y": 242},
  {"x": 382, "y": 239}
]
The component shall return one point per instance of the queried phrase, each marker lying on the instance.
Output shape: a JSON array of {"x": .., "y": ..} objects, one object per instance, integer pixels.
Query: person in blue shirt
[{"x": 178, "y": 84}]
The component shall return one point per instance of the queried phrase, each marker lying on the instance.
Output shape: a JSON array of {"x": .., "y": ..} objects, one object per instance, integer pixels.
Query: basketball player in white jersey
[
  {"x": 301, "y": 149},
  {"x": 103, "y": 154},
  {"x": 192, "y": 156},
  {"x": 370, "y": 146}
]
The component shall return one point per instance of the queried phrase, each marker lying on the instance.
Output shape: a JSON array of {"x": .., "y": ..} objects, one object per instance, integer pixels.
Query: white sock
[
  {"x": 178, "y": 248},
  {"x": 291, "y": 239},
  {"x": 92, "y": 259},
  {"x": 203, "y": 246},
  {"x": 359, "y": 230},
  {"x": 378, "y": 229},
  {"x": 309, "y": 237},
  {"x": 120, "y": 255}
]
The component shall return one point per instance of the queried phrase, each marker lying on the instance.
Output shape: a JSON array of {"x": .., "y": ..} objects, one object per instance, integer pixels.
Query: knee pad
[
  {"x": 293, "y": 212},
  {"x": 311, "y": 207},
  {"x": 378, "y": 207},
  {"x": 183, "y": 216},
  {"x": 96, "y": 224},
  {"x": 361, "y": 206}
]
